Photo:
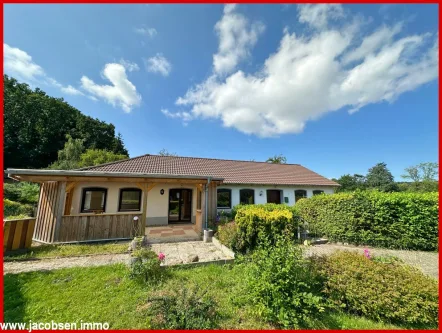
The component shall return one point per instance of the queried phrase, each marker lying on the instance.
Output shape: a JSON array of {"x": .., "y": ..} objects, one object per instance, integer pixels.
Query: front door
[
  {"x": 274, "y": 196},
  {"x": 180, "y": 205}
]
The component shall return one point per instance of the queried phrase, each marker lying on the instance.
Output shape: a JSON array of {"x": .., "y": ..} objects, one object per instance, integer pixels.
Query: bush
[
  {"x": 390, "y": 220},
  {"x": 228, "y": 234},
  {"x": 146, "y": 266},
  {"x": 12, "y": 208},
  {"x": 255, "y": 223},
  {"x": 183, "y": 309},
  {"x": 283, "y": 286},
  {"x": 381, "y": 291},
  {"x": 22, "y": 192}
]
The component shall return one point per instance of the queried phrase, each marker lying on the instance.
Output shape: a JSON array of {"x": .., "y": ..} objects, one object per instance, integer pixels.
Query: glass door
[{"x": 180, "y": 205}]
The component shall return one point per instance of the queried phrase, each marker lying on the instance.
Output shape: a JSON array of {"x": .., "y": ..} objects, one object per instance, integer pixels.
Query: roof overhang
[{"x": 33, "y": 175}]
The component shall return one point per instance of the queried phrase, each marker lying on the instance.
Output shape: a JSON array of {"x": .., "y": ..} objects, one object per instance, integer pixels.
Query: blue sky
[{"x": 334, "y": 88}]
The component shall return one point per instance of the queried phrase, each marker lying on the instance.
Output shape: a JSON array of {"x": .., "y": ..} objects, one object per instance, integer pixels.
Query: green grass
[
  {"x": 106, "y": 294},
  {"x": 67, "y": 250}
]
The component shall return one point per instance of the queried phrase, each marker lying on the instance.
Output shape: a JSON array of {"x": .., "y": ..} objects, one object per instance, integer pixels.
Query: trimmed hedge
[
  {"x": 255, "y": 224},
  {"x": 381, "y": 291},
  {"x": 390, "y": 220},
  {"x": 12, "y": 208}
]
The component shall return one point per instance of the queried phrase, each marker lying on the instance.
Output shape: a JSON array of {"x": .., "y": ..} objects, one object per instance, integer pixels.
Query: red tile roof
[{"x": 233, "y": 172}]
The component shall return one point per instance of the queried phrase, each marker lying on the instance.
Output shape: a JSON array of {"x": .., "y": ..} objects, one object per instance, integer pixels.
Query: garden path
[{"x": 176, "y": 253}]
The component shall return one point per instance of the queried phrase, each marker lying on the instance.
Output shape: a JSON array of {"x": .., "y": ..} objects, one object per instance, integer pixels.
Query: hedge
[
  {"x": 255, "y": 224},
  {"x": 390, "y": 292},
  {"x": 12, "y": 208},
  {"x": 390, "y": 220}
]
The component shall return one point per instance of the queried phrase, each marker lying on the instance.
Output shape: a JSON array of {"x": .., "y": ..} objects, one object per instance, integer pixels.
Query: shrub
[
  {"x": 282, "y": 285},
  {"x": 228, "y": 234},
  {"x": 391, "y": 220},
  {"x": 22, "y": 192},
  {"x": 255, "y": 223},
  {"x": 381, "y": 291},
  {"x": 12, "y": 208},
  {"x": 146, "y": 266},
  {"x": 183, "y": 309}
]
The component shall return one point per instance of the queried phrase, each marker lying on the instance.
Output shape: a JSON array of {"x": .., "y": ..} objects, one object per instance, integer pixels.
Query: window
[
  {"x": 316, "y": 192},
  {"x": 299, "y": 194},
  {"x": 224, "y": 198},
  {"x": 246, "y": 197},
  {"x": 198, "y": 198},
  {"x": 93, "y": 200},
  {"x": 130, "y": 200}
]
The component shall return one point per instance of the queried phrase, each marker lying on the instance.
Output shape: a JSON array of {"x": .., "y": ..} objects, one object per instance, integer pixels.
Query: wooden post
[
  {"x": 144, "y": 216},
  {"x": 145, "y": 187}
]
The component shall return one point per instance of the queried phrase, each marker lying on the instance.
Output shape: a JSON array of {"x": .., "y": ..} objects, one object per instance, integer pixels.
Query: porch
[
  {"x": 79, "y": 206},
  {"x": 172, "y": 234}
]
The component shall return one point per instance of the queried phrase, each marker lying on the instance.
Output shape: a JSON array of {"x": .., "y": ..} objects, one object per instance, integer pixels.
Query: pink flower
[
  {"x": 367, "y": 254},
  {"x": 161, "y": 256}
]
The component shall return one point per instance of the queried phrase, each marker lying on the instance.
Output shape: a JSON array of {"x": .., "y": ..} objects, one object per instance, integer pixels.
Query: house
[{"x": 118, "y": 200}]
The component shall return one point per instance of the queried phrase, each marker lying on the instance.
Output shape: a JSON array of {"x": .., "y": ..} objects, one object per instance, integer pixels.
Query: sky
[{"x": 334, "y": 88}]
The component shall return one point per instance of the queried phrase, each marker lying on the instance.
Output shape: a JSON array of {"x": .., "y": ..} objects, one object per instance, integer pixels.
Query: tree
[
  {"x": 351, "y": 183},
  {"x": 277, "y": 159},
  {"x": 165, "y": 152},
  {"x": 424, "y": 177},
  {"x": 379, "y": 177},
  {"x": 69, "y": 156},
  {"x": 35, "y": 127},
  {"x": 73, "y": 156},
  {"x": 99, "y": 156},
  {"x": 422, "y": 172}
]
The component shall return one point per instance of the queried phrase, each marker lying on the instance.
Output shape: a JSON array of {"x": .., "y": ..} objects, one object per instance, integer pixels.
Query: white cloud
[
  {"x": 158, "y": 64},
  {"x": 146, "y": 31},
  {"x": 318, "y": 16},
  {"x": 20, "y": 64},
  {"x": 311, "y": 75},
  {"x": 121, "y": 93},
  {"x": 130, "y": 66},
  {"x": 69, "y": 90},
  {"x": 185, "y": 116},
  {"x": 373, "y": 43},
  {"x": 236, "y": 37}
]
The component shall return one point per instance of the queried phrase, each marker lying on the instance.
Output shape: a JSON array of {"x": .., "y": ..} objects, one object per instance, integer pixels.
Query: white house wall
[
  {"x": 288, "y": 191},
  {"x": 157, "y": 204}
]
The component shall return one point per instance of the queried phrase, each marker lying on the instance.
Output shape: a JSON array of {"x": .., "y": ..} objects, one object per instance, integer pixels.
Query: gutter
[
  {"x": 73, "y": 173},
  {"x": 206, "y": 205}
]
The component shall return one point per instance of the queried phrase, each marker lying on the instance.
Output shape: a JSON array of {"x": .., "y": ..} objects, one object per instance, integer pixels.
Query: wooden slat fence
[
  {"x": 50, "y": 204},
  {"x": 17, "y": 234},
  {"x": 78, "y": 228}
]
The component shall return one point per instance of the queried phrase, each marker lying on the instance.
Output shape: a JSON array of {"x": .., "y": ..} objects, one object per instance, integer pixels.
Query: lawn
[
  {"x": 106, "y": 294},
  {"x": 67, "y": 250}
]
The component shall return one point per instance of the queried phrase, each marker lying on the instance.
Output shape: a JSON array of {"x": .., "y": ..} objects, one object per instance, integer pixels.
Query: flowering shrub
[
  {"x": 381, "y": 291},
  {"x": 390, "y": 220},
  {"x": 146, "y": 266},
  {"x": 367, "y": 254},
  {"x": 282, "y": 285}
]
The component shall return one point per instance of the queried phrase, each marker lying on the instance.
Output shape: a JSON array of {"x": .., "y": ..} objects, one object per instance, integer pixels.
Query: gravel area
[
  {"x": 192, "y": 252},
  {"x": 176, "y": 253},
  {"x": 427, "y": 262}
]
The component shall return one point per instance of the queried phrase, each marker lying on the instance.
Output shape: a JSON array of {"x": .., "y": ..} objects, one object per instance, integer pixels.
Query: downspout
[{"x": 207, "y": 203}]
